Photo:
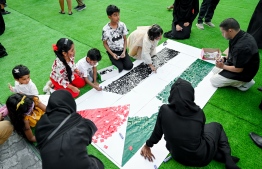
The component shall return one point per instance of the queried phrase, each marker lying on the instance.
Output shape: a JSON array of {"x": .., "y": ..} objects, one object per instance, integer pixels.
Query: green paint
[
  {"x": 195, "y": 73},
  {"x": 138, "y": 130}
]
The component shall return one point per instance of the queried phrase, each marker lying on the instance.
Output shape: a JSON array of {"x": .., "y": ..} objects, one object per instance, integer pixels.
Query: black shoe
[
  {"x": 76, "y": 7},
  {"x": 5, "y": 12},
  {"x": 80, "y": 8},
  {"x": 3, "y": 54},
  {"x": 256, "y": 138},
  {"x": 169, "y": 35},
  {"x": 260, "y": 105}
]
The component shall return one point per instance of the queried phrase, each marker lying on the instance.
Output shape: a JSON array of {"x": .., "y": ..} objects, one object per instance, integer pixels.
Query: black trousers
[
  {"x": 122, "y": 63},
  {"x": 207, "y": 10},
  {"x": 2, "y": 24},
  {"x": 214, "y": 132},
  {"x": 184, "y": 34}
]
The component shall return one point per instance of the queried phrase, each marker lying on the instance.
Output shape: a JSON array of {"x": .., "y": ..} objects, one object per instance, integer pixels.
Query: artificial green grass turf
[{"x": 34, "y": 25}]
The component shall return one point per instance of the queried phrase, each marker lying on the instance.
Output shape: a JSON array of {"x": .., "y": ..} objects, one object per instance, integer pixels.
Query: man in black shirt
[{"x": 241, "y": 64}]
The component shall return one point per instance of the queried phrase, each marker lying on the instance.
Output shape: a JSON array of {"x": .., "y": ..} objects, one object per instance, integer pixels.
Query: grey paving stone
[{"x": 16, "y": 153}]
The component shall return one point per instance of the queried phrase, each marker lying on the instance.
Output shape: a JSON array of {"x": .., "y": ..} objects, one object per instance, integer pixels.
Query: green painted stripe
[
  {"x": 195, "y": 73},
  {"x": 139, "y": 129}
]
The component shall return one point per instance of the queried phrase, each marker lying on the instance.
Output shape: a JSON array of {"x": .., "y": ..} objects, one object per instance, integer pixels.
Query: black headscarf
[
  {"x": 60, "y": 105},
  {"x": 61, "y": 99},
  {"x": 182, "y": 96}
]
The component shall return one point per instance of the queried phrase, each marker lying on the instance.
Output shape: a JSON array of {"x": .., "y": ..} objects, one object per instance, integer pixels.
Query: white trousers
[{"x": 220, "y": 81}]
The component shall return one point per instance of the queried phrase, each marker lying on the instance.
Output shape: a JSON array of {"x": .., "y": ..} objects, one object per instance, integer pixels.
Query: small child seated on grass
[
  {"x": 23, "y": 83},
  {"x": 87, "y": 67}
]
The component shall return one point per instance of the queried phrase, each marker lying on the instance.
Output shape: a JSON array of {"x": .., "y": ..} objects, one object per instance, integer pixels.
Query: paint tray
[{"x": 210, "y": 53}]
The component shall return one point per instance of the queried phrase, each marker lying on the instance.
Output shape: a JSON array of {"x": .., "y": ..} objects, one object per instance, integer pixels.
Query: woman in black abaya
[
  {"x": 255, "y": 24},
  {"x": 190, "y": 141},
  {"x": 65, "y": 148},
  {"x": 184, "y": 13}
]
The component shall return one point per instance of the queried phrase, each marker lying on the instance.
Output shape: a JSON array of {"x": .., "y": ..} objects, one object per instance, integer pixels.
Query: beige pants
[
  {"x": 220, "y": 81},
  {"x": 6, "y": 129}
]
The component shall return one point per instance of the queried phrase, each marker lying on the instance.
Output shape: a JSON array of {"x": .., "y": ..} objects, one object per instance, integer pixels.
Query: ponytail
[{"x": 64, "y": 45}]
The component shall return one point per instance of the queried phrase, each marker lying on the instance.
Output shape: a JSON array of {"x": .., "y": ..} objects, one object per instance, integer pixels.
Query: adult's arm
[
  {"x": 221, "y": 65},
  {"x": 154, "y": 139},
  {"x": 157, "y": 132},
  {"x": 175, "y": 14},
  {"x": 90, "y": 128},
  {"x": 195, "y": 10}
]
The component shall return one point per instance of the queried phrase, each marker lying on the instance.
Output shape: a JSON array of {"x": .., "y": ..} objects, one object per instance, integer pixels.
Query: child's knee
[{"x": 129, "y": 66}]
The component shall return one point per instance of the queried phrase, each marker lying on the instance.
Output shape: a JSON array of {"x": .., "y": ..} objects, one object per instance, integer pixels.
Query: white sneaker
[
  {"x": 246, "y": 86},
  {"x": 210, "y": 24},
  {"x": 200, "y": 26}
]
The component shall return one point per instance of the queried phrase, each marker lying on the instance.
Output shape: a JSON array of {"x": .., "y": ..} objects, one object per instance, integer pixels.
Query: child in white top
[
  {"x": 87, "y": 67},
  {"x": 23, "y": 83}
]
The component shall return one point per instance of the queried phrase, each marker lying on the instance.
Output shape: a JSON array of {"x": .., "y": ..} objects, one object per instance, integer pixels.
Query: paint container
[{"x": 122, "y": 137}]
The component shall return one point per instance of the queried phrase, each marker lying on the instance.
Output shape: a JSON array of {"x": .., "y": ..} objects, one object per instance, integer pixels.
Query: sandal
[
  {"x": 70, "y": 13},
  {"x": 61, "y": 12}
]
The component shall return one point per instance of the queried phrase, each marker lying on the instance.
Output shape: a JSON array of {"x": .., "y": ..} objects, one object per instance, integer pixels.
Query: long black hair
[
  {"x": 17, "y": 113},
  {"x": 64, "y": 45}
]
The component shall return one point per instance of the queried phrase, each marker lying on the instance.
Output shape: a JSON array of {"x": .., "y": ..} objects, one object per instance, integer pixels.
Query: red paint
[
  {"x": 130, "y": 148},
  {"x": 107, "y": 120}
]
